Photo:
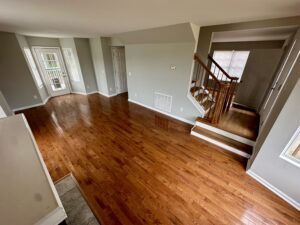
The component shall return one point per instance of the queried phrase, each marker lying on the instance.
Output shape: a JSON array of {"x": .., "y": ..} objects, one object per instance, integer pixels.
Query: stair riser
[
  {"x": 222, "y": 145},
  {"x": 226, "y": 134}
]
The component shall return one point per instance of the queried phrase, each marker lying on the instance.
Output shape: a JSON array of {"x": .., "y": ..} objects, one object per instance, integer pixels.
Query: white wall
[
  {"x": 149, "y": 65},
  {"x": 268, "y": 165},
  {"x": 77, "y": 86}
]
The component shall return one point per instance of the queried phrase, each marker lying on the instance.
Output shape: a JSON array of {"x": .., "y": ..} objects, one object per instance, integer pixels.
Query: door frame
[
  {"x": 279, "y": 86},
  {"x": 117, "y": 77},
  {"x": 63, "y": 67}
]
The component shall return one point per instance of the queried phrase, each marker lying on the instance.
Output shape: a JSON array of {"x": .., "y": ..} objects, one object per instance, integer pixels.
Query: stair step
[
  {"x": 194, "y": 90},
  {"x": 207, "y": 105},
  {"x": 223, "y": 142}
]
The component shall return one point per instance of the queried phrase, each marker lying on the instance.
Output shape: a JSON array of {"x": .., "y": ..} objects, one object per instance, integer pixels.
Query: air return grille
[{"x": 162, "y": 101}]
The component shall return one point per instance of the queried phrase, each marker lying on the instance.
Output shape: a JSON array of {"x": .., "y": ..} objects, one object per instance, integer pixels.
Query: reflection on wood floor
[{"x": 136, "y": 166}]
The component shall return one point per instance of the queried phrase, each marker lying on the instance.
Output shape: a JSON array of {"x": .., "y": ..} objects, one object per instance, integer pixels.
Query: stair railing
[
  {"x": 223, "y": 76},
  {"x": 208, "y": 86}
]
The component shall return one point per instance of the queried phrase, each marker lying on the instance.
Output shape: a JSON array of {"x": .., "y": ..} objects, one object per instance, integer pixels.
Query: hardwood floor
[
  {"x": 136, "y": 166},
  {"x": 242, "y": 122}
]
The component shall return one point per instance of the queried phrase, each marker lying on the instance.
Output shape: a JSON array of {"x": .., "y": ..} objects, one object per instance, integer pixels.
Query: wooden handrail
[
  {"x": 197, "y": 58},
  {"x": 211, "y": 92},
  {"x": 220, "y": 68}
]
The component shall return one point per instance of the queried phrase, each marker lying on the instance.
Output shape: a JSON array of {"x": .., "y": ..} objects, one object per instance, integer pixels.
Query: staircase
[{"x": 213, "y": 89}]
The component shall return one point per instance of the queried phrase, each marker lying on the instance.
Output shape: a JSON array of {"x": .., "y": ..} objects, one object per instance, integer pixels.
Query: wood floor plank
[{"x": 136, "y": 166}]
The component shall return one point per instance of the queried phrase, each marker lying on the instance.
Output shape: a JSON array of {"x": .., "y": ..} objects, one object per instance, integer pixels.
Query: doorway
[
  {"x": 286, "y": 67},
  {"x": 53, "y": 70},
  {"x": 119, "y": 66}
]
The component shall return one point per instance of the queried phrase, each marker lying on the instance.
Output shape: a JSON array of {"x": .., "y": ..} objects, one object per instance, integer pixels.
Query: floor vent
[{"x": 163, "y": 102}]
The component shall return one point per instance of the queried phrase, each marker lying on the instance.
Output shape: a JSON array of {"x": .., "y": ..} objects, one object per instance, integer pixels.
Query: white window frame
[
  {"x": 285, "y": 155},
  {"x": 233, "y": 52},
  {"x": 71, "y": 64},
  {"x": 32, "y": 66}
]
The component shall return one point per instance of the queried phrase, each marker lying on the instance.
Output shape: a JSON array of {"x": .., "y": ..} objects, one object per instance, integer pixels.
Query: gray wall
[
  {"x": 258, "y": 75},
  {"x": 205, "y": 35},
  {"x": 16, "y": 82},
  {"x": 42, "y": 41},
  {"x": 99, "y": 67},
  {"x": 24, "y": 45},
  {"x": 77, "y": 86},
  {"x": 268, "y": 165},
  {"x": 149, "y": 65},
  {"x": 108, "y": 64},
  {"x": 259, "y": 70},
  {"x": 4, "y": 105},
  {"x": 86, "y": 64}
]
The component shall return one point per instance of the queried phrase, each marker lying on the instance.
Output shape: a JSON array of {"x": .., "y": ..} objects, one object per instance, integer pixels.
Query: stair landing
[{"x": 236, "y": 131}]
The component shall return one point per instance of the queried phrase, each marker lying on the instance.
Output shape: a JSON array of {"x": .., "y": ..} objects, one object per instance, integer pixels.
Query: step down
[{"x": 222, "y": 141}]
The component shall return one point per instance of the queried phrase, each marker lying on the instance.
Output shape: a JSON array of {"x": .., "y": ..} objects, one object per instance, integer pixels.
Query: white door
[
  {"x": 284, "y": 71},
  {"x": 119, "y": 64},
  {"x": 52, "y": 67}
]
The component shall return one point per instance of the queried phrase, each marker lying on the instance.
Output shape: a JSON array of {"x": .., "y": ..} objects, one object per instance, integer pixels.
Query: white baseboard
[
  {"x": 275, "y": 190},
  {"x": 79, "y": 93},
  {"x": 47, "y": 99},
  {"x": 220, "y": 144},
  {"x": 167, "y": 114},
  {"x": 226, "y": 133},
  {"x": 106, "y": 95},
  {"x": 27, "y": 107},
  {"x": 92, "y": 92}
]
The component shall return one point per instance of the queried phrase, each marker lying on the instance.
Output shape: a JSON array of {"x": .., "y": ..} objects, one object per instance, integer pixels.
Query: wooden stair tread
[
  {"x": 194, "y": 89},
  {"x": 220, "y": 138},
  {"x": 207, "y": 104}
]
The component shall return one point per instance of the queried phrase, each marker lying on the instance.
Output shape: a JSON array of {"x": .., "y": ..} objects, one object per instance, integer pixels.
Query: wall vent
[{"x": 162, "y": 101}]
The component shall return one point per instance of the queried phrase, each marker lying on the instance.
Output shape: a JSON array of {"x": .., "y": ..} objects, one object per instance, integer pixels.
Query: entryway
[{"x": 53, "y": 70}]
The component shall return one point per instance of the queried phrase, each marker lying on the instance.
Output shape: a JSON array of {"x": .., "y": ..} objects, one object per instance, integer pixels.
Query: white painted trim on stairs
[
  {"x": 226, "y": 134},
  {"x": 220, "y": 144},
  {"x": 167, "y": 114},
  {"x": 275, "y": 190},
  {"x": 196, "y": 104}
]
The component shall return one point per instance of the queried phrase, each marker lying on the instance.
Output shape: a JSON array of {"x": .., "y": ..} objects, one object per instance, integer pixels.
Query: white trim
[
  {"x": 282, "y": 87},
  {"x": 220, "y": 144},
  {"x": 27, "y": 107},
  {"x": 291, "y": 159},
  {"x": 59, "y": 214},
  {"x": 106, "y": 95},
  {"x": 79, "y": 93},
  {"x": 47, "y": 99},
  {"x": 92, "y": 92},
  {"x": 157, "y": 110},
  {"x": 226, "y": 134},
  {"x": 275, "y": 190}
]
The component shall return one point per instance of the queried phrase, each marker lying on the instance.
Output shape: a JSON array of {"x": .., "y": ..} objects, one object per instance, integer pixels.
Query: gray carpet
[{"x": 77, "y": 209}]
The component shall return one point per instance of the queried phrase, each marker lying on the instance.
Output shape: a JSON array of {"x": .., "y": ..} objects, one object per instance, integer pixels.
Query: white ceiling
[
  {"x": 87, "y": 18},
  {"x": 263, "y": 34}
]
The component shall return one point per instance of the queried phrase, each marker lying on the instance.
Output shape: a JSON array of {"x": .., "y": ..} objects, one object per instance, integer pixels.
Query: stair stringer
[{"x": 196, "y": 104}]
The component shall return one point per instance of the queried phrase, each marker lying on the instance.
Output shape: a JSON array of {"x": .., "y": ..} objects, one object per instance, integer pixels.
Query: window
[
  {"x": 51, "y": 61},
  {"x": 70, "y": 60},
  {"x": 34, "y": 70},
  {"x": 291, "y": 153},
  {"x": 233, "y": 62}
]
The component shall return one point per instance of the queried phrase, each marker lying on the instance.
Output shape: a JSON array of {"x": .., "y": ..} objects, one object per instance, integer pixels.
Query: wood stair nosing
[{"x": 246, "y": 150}]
